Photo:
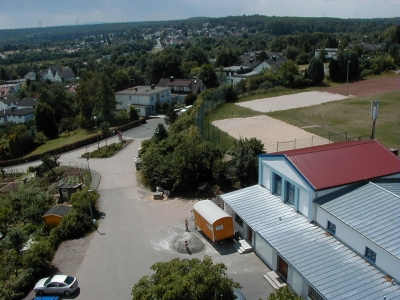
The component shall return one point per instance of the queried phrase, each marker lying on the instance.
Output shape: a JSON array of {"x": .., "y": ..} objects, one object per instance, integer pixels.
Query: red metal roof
[{"x": 342, "y": 163}]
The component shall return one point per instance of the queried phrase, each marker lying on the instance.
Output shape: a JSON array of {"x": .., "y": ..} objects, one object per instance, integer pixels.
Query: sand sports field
[
  {"x": 291, "y": 101},
  {"x": 271, "y": 131}
]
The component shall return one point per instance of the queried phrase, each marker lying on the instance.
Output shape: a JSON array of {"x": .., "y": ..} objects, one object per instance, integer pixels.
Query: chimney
[
  {"x": 251, "y": 60},
  {"x": 273, "y": 57},
  {"x": 171, "y": 79},
  {"x": 136, "y": 89},
  {"x": 153, "y": 86},
  {"x": 394, "y": 151}
]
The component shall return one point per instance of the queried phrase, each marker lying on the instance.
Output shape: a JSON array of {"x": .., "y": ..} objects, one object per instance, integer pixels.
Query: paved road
[{"x": 136, "y": 231}]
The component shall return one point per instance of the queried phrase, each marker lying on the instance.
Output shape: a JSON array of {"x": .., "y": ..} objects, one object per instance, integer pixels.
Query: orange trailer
[{"x": 213, "y": 221}]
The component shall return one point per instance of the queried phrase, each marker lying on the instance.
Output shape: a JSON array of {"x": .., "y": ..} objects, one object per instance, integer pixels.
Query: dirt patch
[
  {"x": 368, "y": 87},
  {"x": 270, "y": 131},
  {"x": 70, "y": 255},
  {"x": 291, "y": 101}
]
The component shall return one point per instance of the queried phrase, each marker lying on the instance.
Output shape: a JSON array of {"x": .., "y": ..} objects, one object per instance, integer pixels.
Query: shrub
[{"x": 39, "y": 256}]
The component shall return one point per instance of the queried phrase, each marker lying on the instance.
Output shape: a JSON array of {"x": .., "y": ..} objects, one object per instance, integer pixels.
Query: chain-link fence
[
  {"x": 208, "y": 131},
  {"x": 317, "y": 140}
]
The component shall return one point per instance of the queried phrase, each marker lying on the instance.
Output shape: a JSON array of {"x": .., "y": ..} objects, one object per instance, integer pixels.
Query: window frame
[
  {"x": 370, "y": 255},
  {"x": 238, "y": 220},
  {"x": 277, "y": 178},
  {"x": 288, "y": 187},
  {"x": 331, "y": 229}
]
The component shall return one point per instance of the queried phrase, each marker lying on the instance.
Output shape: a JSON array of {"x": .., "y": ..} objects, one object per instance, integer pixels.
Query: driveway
[{"x": 135, "y": 233}]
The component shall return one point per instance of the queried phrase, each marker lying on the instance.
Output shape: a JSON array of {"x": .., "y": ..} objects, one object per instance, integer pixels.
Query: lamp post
[{"x": 347, "y": 82}]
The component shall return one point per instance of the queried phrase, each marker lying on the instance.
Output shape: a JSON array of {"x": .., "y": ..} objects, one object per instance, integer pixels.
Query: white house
[
  {"x": 328, "y": 52},
  {"x": 17, "y": 115},
  {"x": 8, "y": 101},
  {"x": 180, "y": 88},
  {"x": 59, "y": 74},
  {"x": 144, "y": 98},
  {"x": 251, "y": 65},
  {"x": 325, "y": 219},
  {"x": 27, "y": 103}
]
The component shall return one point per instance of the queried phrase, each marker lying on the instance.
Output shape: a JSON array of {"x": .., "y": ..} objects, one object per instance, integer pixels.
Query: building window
[
  {"x": 370, "y": 255},
  {"x": 239, "y": 220},
  {"x": 152, "y": 98},
  {"x": 162, "y": 94},
  {"x": 331, "y": 227},
  {"x": 289, "y": 193},
  {"x": 181, "y": 88},
  {"x": 130, "y": 98},
  {"x": 278, "y": 185}
]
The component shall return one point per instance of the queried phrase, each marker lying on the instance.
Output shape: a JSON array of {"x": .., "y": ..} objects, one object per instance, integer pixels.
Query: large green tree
[
  {"x": 244, "y": 166},
  {"x": 315, "y": 70},
  {"x": 45, "y": 121},
  {"x": 182, "y": 279},
  {"x": 208, "y": 75}
]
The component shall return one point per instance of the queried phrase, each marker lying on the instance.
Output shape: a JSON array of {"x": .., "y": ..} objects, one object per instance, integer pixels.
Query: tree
[
  {"x": 39, "y": 256},
  {"x": 284, "y": 293},
  {"x": 190, "y": 99},
  {"x": 208, "y": 75},
  {"x": 50, "y": 163},
  {"x": 133, "y": 113},
  {"x": 160, "y": 133},
  {"x": 106, "y": 97},
  {"x": 105, "y": 130},
  {"x": 315, "y": 70},
  {"x": 244, "y": 166},
  {"x": 45, "y": 122},
  {"x": 171, "y": 116},
  {"x": 186, "y": 279}
]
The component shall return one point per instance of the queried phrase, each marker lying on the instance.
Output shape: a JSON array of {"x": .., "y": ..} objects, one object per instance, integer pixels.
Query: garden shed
[
  {"x": 213, "y": 221},
  {"x": 54, "y": 215},
  {"x": 67, "y": 189}
]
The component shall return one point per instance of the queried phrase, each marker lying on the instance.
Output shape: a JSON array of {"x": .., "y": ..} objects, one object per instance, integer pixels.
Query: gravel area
[
  {"x": 270, "y": 131},
  {"x": 291, "y": 101}
]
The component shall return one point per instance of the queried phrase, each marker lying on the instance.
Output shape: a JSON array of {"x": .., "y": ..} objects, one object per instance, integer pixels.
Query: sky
[{"x": 45, "y": 13}]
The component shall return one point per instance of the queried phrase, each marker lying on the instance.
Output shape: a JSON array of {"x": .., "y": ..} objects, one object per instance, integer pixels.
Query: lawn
[
  {"x": 352, "y": 116},
  {"x": 65, "y": 139}
]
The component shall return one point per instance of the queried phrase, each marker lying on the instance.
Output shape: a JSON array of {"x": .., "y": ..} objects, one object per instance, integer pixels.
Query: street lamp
[{"x": 347, "y": 82}]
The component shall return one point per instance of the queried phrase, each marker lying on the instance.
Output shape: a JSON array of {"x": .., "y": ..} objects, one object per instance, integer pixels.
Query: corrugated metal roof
[
  {"x": 369, "y": 209},
  {"x": 342, "y": 163},
  {"x": 392, "y": 186},
  {"x": 210, "y": 211},
  {"x": 334, "y": 270}
]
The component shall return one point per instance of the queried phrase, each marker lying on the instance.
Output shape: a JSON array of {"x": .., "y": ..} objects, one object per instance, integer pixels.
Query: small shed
[
  {"x": 213, "y": 221},
  {"x": 67, "y": 189},
  {"x": 55, "y": 214}
]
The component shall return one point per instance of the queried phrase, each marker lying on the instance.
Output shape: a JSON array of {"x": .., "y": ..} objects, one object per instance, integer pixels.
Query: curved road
[{"x": 136, "y": 231}]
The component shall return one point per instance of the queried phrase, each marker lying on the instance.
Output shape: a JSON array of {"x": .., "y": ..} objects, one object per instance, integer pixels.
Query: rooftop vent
[{"x": 171, "y": 78}]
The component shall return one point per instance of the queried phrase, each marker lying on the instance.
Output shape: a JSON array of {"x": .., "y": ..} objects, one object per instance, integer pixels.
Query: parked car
[
  {"x": 58, "y": 284},
  {"x": 238, "y": 294}
]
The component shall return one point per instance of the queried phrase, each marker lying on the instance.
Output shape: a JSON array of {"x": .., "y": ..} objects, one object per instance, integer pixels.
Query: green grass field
[
  {"x": 336, "y": 120},
  {"x": 352, "y": 116},
  {"x": 64, "y": 139}
]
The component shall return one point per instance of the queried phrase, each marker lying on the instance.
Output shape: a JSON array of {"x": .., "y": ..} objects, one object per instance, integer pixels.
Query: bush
[
  {"x": 39, "y": 256},
  {"x": 17, "y": 287},
  {"x": 105, "y": 151}
]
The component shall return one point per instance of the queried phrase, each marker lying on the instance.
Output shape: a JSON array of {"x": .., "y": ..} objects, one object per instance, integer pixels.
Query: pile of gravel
[{"x": 195, "y": 245}]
